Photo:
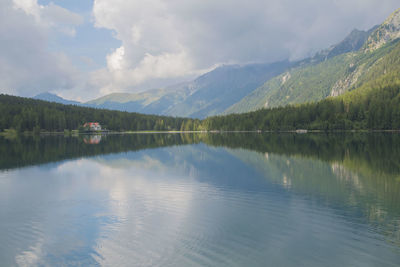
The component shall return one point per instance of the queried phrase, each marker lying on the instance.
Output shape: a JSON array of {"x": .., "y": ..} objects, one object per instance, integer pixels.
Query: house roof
[{"x": 91, "y": 124}]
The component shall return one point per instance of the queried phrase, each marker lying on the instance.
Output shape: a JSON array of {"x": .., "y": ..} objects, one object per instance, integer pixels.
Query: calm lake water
[{"x": 200, "y": 200}]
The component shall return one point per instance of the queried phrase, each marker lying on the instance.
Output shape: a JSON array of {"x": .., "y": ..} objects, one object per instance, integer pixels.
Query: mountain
[
  {"x": 332, "y": 72},
  {"x": 209, "y": 94},
  {"x": 374, "y": 105},
  {"x": 55, "y": 98},
  {"x": 242, "y": 88},
  {"x": 389, "y": 30},
  {"x": 353, "y": 42},
  {"x": 156, "y": 101},
  {"x": 128, "y": 102},
  {"x": 215, "y": 91}
]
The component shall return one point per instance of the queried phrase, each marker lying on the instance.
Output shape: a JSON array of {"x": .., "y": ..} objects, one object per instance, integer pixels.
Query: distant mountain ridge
[
  {"x": 209, "y": 94},
  {"x": 55, "y": 98}
]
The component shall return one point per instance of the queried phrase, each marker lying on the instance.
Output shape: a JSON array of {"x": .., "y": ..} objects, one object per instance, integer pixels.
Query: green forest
[
  {"x": 375, "y": 106},
  {"x": 25, "y": 114}
]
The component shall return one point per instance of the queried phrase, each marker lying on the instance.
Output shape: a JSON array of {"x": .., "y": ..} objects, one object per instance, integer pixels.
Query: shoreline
[{"x": 11, "y": 133}]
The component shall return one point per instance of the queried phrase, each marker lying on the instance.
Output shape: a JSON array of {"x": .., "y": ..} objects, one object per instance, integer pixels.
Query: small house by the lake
[{"x": 92, "y": 126}]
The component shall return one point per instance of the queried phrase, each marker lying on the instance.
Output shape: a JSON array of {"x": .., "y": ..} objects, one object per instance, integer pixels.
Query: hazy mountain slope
[
  {"x": 313, "y": 80},
  {"x": 353, "y": 42},
  {"x": 207, "y": 95},
  {"x": 219, "y": 89},
  {"x": 128, "y": 102},
  {"x": 150, "y": 102},
  {"x": 55, "y": 98},
  {"x": 176, "y": 95},
  {"x": 296, "y": 86}
]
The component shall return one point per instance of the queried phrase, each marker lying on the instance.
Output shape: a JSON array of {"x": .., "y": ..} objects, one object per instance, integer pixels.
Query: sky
[{"x": 84, "y": 49}]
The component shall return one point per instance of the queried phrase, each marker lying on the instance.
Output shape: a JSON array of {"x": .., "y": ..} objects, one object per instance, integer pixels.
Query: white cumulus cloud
[{"x": 27, "y": 66}]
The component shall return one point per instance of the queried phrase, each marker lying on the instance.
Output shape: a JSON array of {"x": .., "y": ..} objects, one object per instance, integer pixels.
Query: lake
[{"x": 200, "y": 200}]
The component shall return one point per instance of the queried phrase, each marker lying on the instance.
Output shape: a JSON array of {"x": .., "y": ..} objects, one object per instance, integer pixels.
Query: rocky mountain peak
[{"x": 386, "y": 32}]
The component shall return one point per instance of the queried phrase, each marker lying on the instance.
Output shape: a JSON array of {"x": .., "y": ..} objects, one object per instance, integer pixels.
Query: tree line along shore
[{"x": 375, "y": 106}]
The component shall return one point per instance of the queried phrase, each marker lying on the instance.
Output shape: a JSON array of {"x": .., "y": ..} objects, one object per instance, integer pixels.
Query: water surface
[{"x": 200, "y": 200}]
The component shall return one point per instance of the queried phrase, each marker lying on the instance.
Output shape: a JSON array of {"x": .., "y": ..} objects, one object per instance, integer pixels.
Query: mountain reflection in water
[{"x": 201, "y": 199}]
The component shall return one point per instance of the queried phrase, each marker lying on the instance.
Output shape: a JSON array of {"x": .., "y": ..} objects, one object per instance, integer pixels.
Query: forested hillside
[
  {"x": 315, "y": 82},
  {"x": 374, "y": 106},
  {"x": 332, "y": 72},
  {"x": 24, "y": 114}
]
